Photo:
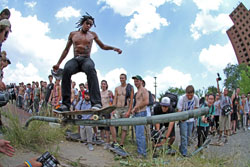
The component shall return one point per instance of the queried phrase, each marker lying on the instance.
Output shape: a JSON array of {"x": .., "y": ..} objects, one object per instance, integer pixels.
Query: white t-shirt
[{"x": 184, "y": 104}]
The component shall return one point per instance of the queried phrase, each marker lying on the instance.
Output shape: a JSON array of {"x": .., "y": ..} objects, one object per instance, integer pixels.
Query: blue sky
[{"x": 181, "y": 42}]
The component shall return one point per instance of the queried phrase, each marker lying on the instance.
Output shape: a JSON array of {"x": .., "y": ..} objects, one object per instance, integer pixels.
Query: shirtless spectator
[
  {"x": 123, "y": 100},
  {"x": 55, "y": 96},
  {"x": 36, "y": 97},
  {"x": 74, "y": 95},
  {"x": 139, "y": 110},
  {"x": 107, "y": 97},
  {"x": 21, "y": 92},
  {"x": 28, "y": 96}
]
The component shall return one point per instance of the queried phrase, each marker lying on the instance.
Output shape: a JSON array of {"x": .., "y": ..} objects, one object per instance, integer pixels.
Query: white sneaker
[{"x": 90, "y": 146}]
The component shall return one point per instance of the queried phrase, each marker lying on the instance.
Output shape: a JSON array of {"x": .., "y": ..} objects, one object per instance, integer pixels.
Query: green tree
[
  {"x": 245, "y": 80},
  {"x": 199, "y": 93},
  {"x": 212, "y": 89},
  {"x": 233, "y": 75}
]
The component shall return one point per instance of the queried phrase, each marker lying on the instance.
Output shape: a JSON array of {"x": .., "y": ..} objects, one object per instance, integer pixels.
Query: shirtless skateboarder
[{"x": 82, "y": 43}]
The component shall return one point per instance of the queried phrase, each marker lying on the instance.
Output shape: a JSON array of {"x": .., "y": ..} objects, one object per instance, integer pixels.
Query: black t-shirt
[
  {"x": 48, "y": 91},
  {"x": 158, "y": 111}
]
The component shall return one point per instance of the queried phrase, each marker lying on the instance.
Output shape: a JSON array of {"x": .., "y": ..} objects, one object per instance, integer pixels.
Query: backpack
[
  {"x": 173, "y": 98},
  {"x": 128, "y": 93}
]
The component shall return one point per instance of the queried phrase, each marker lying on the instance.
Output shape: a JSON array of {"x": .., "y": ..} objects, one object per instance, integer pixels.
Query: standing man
[
  {"x": 123, "y": 100},
  {"x": 50, "y": 87},
  {"x": 187, "y": 102},
  {"x": 74, "y": 95},
  {"x": 139, "y": 110},
  {"x": 225, "y": 101},
  {"x": 82, "y": 43}
]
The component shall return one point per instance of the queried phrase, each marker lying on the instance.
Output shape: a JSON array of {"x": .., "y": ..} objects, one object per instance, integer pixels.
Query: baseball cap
[
  {"x": 165, "y": 101},
  {"x": 137, "y": 77},
  {"x": 5, "y": 22}
]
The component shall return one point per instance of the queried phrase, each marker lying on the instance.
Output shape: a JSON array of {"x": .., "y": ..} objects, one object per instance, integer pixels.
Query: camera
[
  {"x": 48, "y": 160},
  {"x": 219, "y": 78},
  {"x": 209, "y": 119},
  {"x": 7, "y": 95}
]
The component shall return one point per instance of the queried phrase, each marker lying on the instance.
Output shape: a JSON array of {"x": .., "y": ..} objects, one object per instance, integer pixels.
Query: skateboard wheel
[{"x": 95, "y": 117}]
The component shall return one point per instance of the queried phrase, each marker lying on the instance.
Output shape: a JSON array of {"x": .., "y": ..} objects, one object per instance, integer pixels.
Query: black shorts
[{"x": 234, "y": 116}]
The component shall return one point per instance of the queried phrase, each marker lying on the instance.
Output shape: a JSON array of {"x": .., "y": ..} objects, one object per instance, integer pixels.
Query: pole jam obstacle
[{"x": 177, "y": 116}]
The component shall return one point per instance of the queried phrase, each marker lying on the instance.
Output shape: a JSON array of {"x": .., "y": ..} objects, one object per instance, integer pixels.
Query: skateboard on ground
[
  {"x": 119, "y": 151},
  {"x": 97, "y": 114},
  {"x": 217, "y": 143},
  {"x": 70, "y": 136},
  {"x": 204, "y": 145}
]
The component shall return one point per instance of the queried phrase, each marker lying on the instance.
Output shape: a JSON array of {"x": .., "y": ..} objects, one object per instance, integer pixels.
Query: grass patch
[{"x": 39, "y": 136}]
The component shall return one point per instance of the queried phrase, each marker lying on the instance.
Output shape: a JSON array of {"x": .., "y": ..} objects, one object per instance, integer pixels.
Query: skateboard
[
  {"x": 204, "y": 145},
  {"x": 77, "y": 138},
  {"x": 217, "y": 143},
  {"x": 119, "y": 151},
  {"x": 97, "y": 114}
]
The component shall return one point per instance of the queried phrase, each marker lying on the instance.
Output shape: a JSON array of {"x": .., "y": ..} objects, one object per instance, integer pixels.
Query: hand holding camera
[{"x": 219, "y": 78}]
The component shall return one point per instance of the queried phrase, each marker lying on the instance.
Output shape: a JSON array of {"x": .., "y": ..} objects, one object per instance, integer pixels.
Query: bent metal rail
[{"x": 125, "y": 121}]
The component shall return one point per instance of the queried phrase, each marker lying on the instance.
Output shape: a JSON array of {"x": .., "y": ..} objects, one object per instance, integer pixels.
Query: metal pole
[
  {"x": 155, "y": 87},
  {"x": 185, "y": 115}
]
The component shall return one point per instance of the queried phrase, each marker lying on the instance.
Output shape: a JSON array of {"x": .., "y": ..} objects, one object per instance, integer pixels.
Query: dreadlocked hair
[{"x": 83, "y": 19}]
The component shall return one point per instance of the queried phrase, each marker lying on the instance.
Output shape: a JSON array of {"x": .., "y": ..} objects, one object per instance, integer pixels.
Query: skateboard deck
[
  {"x": 96, "y": 113},
  {"x": 204, "y": 145},
  {"x": 119, "y": 151},
  {"x": 77, "y": 138},
  {"x": 217, "y": 143}
]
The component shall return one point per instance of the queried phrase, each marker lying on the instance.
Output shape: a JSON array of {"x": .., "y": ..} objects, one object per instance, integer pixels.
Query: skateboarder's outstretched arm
[
  {"x": 105, "y": 47},
  {"x": 64, "y": 53}
]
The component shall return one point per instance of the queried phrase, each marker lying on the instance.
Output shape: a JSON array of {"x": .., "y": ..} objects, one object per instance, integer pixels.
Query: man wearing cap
[
  {"x": 165, "y": 108},
  {"x": 139, "y": 110}
]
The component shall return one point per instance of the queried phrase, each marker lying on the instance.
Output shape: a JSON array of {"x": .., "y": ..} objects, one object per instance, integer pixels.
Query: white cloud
[
  {"x": 206, "y": 5},
  {"x": 168, "y": 77},
  {"x": 144, "y": 19},
  {"x": 21, "y": 73},
  {"x": 31, "y": 4},
  {"x": 67, "y": 12},
  {"x": 216, "y": 57},
  {"x": 206, "y": 24},
  {"x": 112, "y": 77}
]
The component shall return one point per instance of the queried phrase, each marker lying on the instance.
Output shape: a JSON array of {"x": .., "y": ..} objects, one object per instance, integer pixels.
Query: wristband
[{"x": 28, "y": 163}]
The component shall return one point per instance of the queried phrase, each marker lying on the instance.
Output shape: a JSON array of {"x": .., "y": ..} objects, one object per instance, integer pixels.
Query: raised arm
[
  {"x": 218, "y": 87},
  {"x": 65, "y": 52},
  {"x": 105, "y": 47}
]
